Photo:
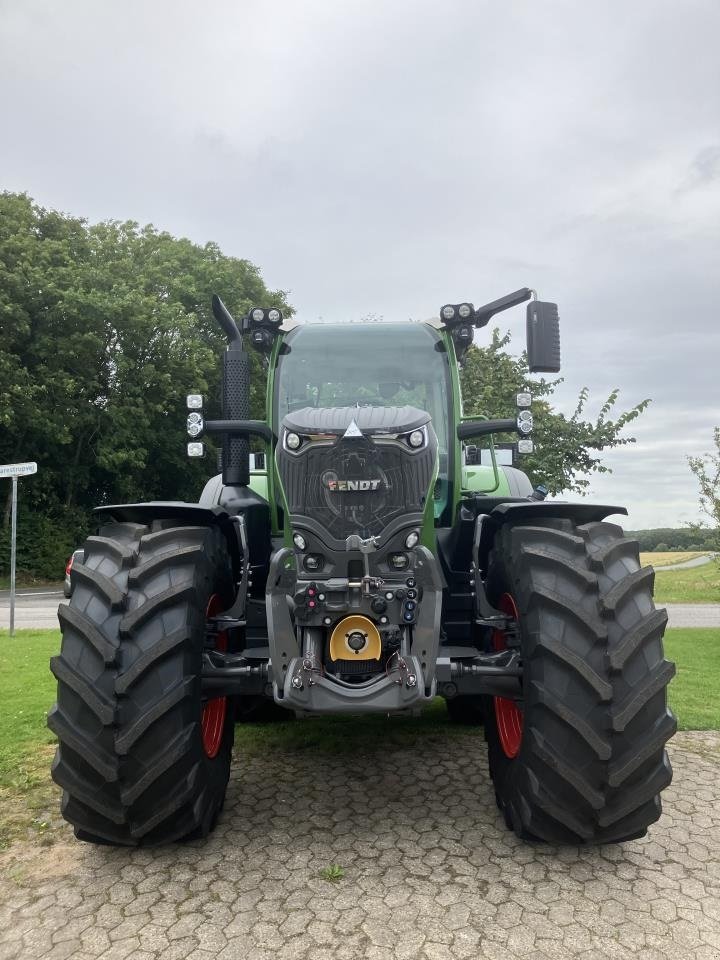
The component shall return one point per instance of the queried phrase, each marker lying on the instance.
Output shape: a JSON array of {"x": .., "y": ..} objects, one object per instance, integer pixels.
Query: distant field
[{"x": 663, "y": 559}]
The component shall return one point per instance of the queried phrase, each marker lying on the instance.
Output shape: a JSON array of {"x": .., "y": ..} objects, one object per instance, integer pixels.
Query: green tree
[
  {"x": 103, "y": 331},
  {"x": 566, "y": 448},
  {"x": 706, "y": 469}
]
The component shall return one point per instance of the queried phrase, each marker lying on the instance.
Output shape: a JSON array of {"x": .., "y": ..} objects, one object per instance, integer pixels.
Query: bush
[
  {"x": 44, "y": 543},
  {"x": 661, "y": 548}
]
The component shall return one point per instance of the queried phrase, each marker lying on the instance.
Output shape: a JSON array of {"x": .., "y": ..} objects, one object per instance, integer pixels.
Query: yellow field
[{"x": 663, "y": 559}]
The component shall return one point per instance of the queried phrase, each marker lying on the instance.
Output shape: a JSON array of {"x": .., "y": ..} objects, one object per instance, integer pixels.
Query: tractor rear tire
[
  {"x": 583, "y": 760},
  {"x": 142, "y": 760}
]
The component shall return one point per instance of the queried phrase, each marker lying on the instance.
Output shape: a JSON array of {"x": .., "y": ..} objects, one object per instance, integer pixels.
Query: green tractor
[{"x": 376, "y": 556}]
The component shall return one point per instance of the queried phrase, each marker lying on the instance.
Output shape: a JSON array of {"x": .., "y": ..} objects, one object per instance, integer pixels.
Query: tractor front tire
[
  {"x": 142, "y": 759},
  {"x": 581, "y": 758}
]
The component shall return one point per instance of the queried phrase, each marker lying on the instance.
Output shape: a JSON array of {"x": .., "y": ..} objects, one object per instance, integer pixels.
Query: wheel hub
[
  {"x": 508, "y": 715},
  {"x": 212, "y": 722}
]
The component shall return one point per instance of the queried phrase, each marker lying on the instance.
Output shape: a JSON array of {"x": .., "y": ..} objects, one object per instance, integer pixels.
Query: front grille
[{"x": 314, "y": 481}]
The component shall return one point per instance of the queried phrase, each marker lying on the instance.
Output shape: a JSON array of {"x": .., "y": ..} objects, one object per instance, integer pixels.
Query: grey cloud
[{"x": 385, "y": 158}]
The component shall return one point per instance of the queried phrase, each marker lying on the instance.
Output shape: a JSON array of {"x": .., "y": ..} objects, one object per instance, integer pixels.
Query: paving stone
[{"x": 429, "y": 872}]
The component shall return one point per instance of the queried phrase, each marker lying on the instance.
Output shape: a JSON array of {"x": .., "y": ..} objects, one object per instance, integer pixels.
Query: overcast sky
[{"x": 386, "y": 156}]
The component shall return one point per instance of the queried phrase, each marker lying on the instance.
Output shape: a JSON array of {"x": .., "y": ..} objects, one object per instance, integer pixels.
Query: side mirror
[{"x": 543, "y": 337}]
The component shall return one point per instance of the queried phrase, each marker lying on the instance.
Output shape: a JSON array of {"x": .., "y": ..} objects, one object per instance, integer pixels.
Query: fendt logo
[{"x": 346, "y": 486}]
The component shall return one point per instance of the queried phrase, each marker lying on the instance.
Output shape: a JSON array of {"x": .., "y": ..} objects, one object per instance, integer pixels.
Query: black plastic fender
[
  {"x": 191, "y": 514},
  {"x": 528, "y": 510}
]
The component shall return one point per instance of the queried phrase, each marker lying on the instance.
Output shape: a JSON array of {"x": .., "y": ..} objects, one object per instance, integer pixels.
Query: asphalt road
[
  {"x": 429, "y": 872},
  {"x": 37, "y": 609},
  {"x": 687, "y": 564}
]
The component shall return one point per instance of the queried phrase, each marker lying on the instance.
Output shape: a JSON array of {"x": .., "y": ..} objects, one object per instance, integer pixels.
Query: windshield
[{"x": 379, "y": 364}]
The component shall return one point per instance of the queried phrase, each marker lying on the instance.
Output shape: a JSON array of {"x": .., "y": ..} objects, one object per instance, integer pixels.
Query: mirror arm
[
  {"x": 483, "y": 314},
  {"x": 481, "y": 428}
]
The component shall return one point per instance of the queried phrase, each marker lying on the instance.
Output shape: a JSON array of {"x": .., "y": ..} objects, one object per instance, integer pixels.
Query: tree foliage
[
  {"x": 566, "y": 448},
  {"x": 706, "y": 469},
  {"x": 103, "y": 331},
  {"x": 663, "y": 539}
]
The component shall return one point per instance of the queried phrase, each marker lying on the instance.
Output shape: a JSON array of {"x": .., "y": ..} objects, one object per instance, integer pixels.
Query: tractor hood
[{"x": 367, "y": 420}]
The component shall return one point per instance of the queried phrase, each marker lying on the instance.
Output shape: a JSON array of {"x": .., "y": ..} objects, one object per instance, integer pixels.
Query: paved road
[
  {"x": 430, "y": 873},
  {"x": 693, "y": 615},
  {"x": 687, "y": 564},
  {"x": 37, "y": 609}
]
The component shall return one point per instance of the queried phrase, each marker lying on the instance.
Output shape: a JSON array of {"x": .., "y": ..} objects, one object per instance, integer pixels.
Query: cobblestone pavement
[{"x": 430, "y": 872}]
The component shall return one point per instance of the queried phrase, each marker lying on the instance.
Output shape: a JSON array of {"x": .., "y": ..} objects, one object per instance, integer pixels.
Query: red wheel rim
[
  {"x": 212, "y": 723},
  {"x": 508, "y": 715}
]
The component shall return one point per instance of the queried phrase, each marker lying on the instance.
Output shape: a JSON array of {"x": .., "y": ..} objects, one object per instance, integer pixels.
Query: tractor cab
[{"x": 370, "y": 365}]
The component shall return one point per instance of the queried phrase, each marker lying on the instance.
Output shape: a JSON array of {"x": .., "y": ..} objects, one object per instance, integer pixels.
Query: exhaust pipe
[{"x": 235, "y": 399}]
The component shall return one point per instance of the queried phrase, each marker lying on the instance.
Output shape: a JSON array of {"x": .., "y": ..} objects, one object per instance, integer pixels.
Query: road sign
[
  {"x": 17, "y": 469},
  {"x": 14, "y": 470}
]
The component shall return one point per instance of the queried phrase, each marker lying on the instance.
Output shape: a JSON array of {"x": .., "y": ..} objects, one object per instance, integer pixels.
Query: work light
[
  {"x": 525, "y": 422},
  {"x": 196, "y": 449},
  {"x": 194, "y": 401},
  {"x": 195, "y": 424}
]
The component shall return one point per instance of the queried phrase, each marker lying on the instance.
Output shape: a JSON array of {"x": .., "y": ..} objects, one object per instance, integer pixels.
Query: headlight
[
  {"x": 258, "y": 315},
  {"x": 274, "y": 316},
  {"x": 412, "y": 540},
  {"x": 416, "y": 438},
  {"x": 525, "y": 423},
  {"x": 448, "y": 312},
  {"x": 299, "y": 541},
  {"x": 195, "y": 424},
  {"x": 398, "y": 561},
  {"x": 292, "y": 441},
  {"x": 313, "y": 561},
  {"x": 465, "y": 310}
]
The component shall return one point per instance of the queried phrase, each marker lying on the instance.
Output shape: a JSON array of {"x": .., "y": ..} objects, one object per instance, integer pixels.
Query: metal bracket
[
  {"x": 485, "y": 614},
  {"x": 230, "y": 674},
  {"x": 492, "y": 674},
  {"x": 234, "y": 616}
]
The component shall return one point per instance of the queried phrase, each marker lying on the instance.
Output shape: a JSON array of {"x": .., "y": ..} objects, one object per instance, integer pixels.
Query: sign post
[{"x": 14, "y": 470}]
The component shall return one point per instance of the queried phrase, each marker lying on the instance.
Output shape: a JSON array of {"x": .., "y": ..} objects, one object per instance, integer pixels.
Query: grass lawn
[
  {"x": 695, "y": 585},
  {"x": 29, "y": 800}
]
